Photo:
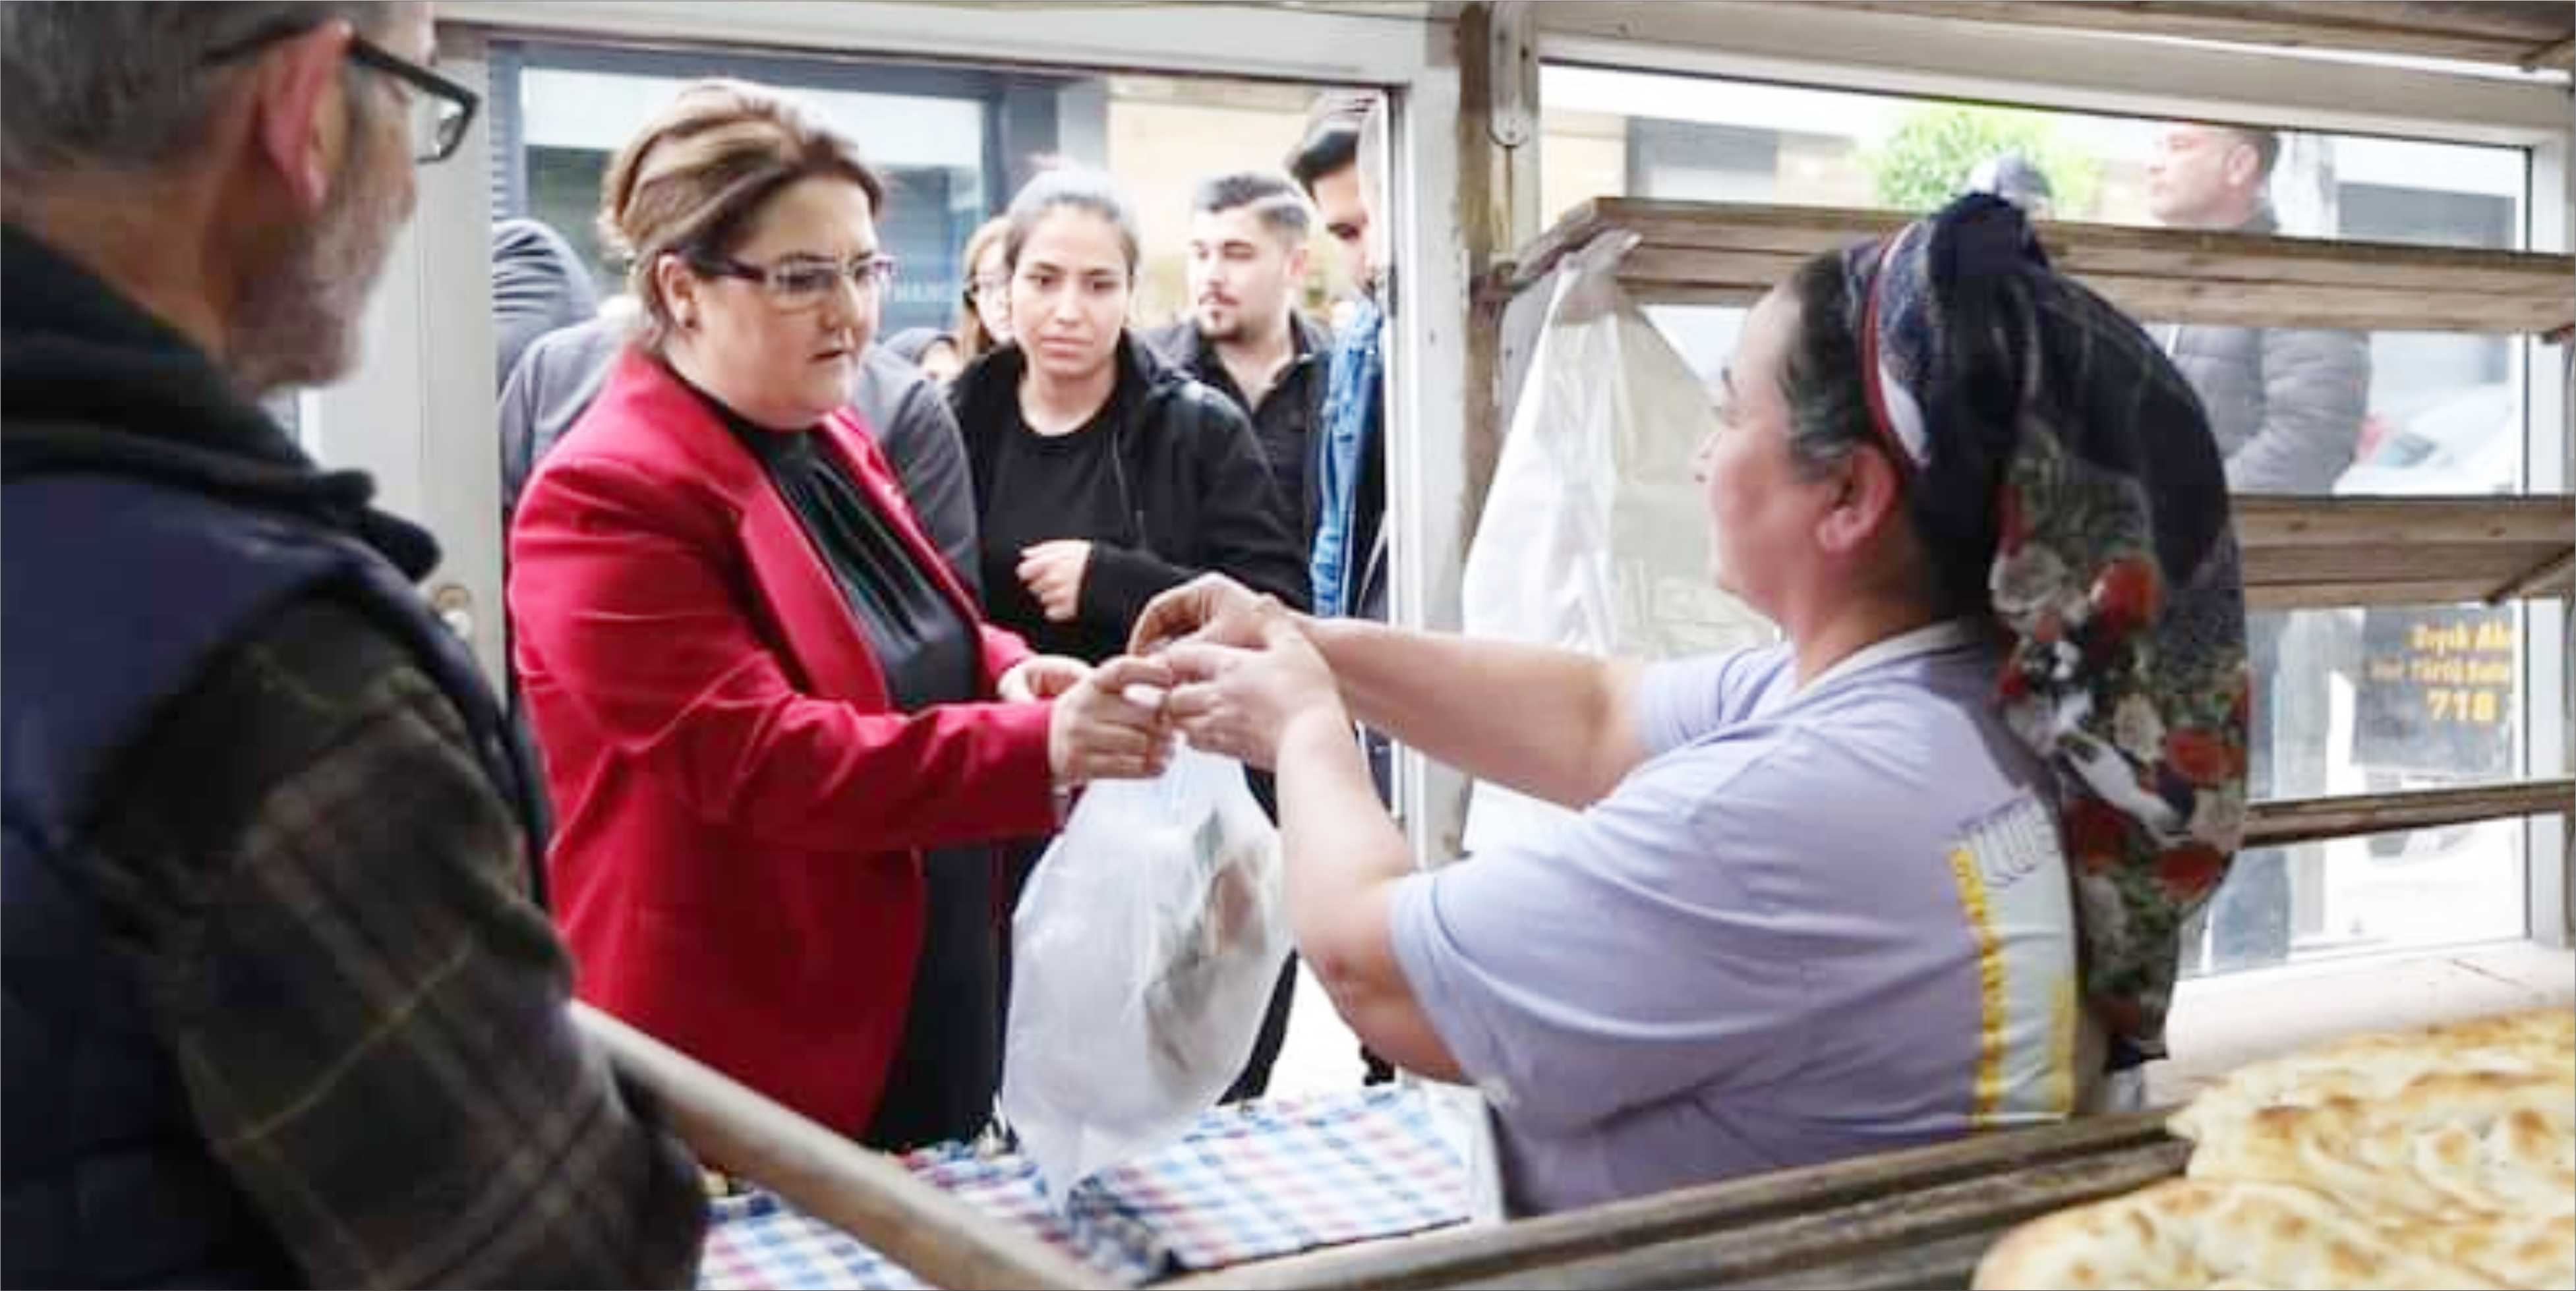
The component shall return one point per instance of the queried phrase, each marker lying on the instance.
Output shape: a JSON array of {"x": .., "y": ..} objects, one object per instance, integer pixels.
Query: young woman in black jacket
[{"x": 1102, "y": 474}]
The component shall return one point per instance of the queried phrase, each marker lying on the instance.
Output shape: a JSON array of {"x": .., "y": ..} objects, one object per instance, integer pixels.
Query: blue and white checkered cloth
[{"x": 1250, "y": 1182}]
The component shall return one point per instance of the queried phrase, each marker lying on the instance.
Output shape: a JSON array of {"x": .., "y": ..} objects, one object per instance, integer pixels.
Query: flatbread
[
  {"x": 2444, "y": 1146},
  {"x": 2520, "y": 1251},
  {"x": 2193, "y": 1233},
  {"x": 2537, "y": 1042},
  {"x": 2439, "y": 1157}
]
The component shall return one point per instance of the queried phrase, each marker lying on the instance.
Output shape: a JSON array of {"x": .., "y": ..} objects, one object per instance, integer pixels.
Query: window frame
[{"x": 1927, "y": 61}]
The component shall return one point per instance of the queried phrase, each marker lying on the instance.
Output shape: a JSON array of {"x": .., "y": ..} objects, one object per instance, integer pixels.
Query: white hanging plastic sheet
[{"x": 1594, "y": 536}]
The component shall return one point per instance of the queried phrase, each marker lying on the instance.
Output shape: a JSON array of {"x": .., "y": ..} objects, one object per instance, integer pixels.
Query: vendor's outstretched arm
[
  {"x": 1344, "y": 860},
  {"x": 1550, "y": 723}
]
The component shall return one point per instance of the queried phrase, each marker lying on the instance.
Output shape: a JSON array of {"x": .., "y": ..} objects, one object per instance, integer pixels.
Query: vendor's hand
[
  {"x": 1210, "y": 607},
  {"x": 1098, "y": 732},
  {"x": 1052, "y": 571},
  {"x": 1240, "y": 703},
  {"x": 1041, "y": 676}
]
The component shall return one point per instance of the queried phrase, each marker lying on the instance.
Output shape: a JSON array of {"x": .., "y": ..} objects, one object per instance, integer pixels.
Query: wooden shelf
[
  {"x": 2523, "y": 35},
  {"x": 2312, "y": 552},
  {"x": 1918, "y": 1217},
  {"x": 1726, "y": 253},
  {"x": 2305, "y": 820},
  {"x": 939, "y": 1237}
]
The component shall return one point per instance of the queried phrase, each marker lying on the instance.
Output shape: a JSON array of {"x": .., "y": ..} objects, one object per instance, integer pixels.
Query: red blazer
[{"x": 740, "y": 816}]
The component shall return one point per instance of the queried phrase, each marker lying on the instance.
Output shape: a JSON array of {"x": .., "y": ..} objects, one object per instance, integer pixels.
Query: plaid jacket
[{"x": 324, "y": 902}]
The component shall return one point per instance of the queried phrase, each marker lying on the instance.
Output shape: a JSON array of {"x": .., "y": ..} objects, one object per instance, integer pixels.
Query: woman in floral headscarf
[{"x": 1915, "y": 871}]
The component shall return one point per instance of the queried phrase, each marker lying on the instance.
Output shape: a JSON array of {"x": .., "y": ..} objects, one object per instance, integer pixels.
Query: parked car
[{"x": 2467, "y": 441}]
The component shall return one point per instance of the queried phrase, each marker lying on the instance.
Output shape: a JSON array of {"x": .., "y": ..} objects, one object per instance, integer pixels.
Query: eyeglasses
[
  {"x": 804, "y": 283},
  {"x": 439, "y": 110}
]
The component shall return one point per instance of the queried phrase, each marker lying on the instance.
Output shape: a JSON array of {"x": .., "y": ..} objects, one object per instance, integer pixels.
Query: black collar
[
  {"x": 1307, "y": 343},
  {"x": 94, "y": 381}
]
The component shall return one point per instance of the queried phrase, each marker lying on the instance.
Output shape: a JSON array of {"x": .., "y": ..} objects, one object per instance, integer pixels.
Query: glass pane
[
  {"x": 2378, "y": 700},
  {"x": 929, "y": 150},
  {"x": 2386, "y": 413},
  {"x": 1708, "y": 139},
  {"x": 2394, "y": 891},
  {"x": 2445, "y": 417},
  {"x": 2297, "y": 412},
  {"x": 2436, "y": 696},
  {"x": 1703, "y": 334},
  {"x": 1167, "y": 134},
  {"x": 2383, "y": 698},
  {"x": 1159, "y": 137}
]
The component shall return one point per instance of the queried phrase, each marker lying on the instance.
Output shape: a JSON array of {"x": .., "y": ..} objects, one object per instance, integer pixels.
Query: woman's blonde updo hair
[
  {"x": 690, "y": 181},
  {"x": 971, "y": 339}
]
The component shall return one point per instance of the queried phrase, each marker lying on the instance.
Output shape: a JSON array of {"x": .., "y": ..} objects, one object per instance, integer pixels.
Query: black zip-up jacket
[
  {"x": 1198, "y": 496},
  {"x": 1284, "y": 418}
]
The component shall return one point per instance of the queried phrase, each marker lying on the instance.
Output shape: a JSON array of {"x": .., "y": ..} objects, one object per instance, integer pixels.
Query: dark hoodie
[{"x": 1185, "y": 492}]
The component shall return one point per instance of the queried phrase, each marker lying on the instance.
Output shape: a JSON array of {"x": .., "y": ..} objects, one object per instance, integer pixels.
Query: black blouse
[
  {"x": 948, "y": 1064},
  {"x": 929, "y": 652}
]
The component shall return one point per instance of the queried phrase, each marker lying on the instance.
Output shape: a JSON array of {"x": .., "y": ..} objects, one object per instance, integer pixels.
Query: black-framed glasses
[
  {"x": 438, "y": 110},
  {"x": 441, "y": 109},
  {"x": 803, "y": 282}
]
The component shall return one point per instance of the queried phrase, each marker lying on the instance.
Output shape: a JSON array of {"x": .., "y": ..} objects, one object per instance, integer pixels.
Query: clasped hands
[{"x": 1211, "y": 661}]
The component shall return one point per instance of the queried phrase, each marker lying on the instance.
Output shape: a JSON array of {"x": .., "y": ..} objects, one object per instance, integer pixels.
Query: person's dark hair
[
  {"x": 1076, "y": 187},
  {"x": 129, "y": 87},
  {"x": 2266, "y": 145},
  {"x": 913, "y": 343},
  {"x": 1332, "y": 140},
  {"x": 1949, "y": 502},
  {"x": 1828, "y": 409},
  {"x": 690, "y": 181},
  {"x": 1272, "y": 200}
]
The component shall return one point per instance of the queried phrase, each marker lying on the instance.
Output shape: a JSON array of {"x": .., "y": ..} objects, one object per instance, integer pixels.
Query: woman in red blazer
[{"x": 778, "y": 738}]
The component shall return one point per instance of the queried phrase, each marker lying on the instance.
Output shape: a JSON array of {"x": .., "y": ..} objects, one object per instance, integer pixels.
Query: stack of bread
[{"x": 2444, "y": 1157}]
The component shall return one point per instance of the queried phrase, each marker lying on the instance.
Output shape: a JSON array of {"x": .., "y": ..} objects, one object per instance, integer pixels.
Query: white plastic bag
[
  {"x": 1594, "y": 536},
  {"x": 1144, "y": 951}
]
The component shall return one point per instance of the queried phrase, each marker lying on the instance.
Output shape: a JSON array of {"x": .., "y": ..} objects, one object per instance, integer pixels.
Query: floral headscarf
[{"x": 2032, "y": 410}]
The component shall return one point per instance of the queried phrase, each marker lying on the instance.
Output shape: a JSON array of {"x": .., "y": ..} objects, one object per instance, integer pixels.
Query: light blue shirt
[{"x": 1815, "y": 922}]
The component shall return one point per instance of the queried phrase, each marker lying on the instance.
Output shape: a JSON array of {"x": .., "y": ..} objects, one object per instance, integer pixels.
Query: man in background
[
  {"x": 2286, "y": 405},
  {"x": 280, "y": 1008},
  {"x": 1244, "y": 335},
  {"x": 538, "y": 285},
  {"x": 1346, "y": 475},
  {"x": 1346, "y": 464}
]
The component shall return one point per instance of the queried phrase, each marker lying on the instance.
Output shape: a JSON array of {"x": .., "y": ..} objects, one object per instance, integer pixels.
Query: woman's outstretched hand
[
  {"x": 1102, "y": 732},
  {"x": 1041, "y": 676},
  {"x": 1209, "y": 608},
  {"x": 1242, "y": 702}
]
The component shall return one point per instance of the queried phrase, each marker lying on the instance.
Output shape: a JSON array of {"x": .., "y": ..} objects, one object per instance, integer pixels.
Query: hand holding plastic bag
[{"x": 1144, "y": 952}]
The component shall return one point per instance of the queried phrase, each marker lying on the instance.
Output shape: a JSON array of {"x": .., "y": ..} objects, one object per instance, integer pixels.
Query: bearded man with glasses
[{"x": 282, "y": 1008}]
